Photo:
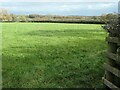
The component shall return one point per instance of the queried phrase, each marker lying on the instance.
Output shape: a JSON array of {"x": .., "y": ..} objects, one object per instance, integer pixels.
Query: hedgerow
[{"x": 113, "y": 25}]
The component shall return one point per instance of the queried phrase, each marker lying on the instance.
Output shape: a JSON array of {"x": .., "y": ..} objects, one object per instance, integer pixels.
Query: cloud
[
  {"x": 60, "y": 8},
  {"x": 59, "y": 0},
  {"x": 101, "y": 6},
  {"x": 86, "y": 6}
]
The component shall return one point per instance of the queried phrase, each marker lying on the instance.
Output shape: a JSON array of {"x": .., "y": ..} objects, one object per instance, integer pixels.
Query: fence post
[{"x": 112, "y": 66}]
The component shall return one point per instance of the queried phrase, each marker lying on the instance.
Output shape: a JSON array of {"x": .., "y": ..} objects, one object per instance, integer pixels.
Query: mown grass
[{"x": 53, "y": 55}]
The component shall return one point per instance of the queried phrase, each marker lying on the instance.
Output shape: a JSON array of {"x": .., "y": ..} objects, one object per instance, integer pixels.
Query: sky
[{"x": 55, "y": 7}]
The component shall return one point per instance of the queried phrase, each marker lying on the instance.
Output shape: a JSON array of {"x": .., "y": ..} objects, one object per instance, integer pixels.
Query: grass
[{"x": 53, "y": 55}]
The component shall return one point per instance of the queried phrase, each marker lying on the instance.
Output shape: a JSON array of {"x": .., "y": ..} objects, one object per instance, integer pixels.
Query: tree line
[{"x": 7, "y": 17}]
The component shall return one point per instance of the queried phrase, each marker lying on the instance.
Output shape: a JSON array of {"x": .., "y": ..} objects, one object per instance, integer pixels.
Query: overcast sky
[{"x": 72, "y": 7}]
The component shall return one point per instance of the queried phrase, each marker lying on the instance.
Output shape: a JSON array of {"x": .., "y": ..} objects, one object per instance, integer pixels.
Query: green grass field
[{"x": 53, "y": 55}]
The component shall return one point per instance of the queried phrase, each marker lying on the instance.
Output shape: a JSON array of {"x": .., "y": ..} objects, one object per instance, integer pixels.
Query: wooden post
[{"x": 112, "y": 65}]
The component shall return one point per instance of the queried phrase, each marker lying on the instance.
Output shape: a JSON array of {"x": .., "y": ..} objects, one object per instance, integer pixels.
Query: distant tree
[
  {"x": 4, "y": 15},
  {"x": 107, "y": 17},
  {"x": 14, "y": 17},
  {"x": 22, "y": 18},
  {"x": 33, "y": 15},
  {"x": 94, "y": 17}
]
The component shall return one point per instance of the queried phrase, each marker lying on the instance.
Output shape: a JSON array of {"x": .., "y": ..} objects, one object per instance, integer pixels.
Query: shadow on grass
[
  {"x": 66, "y": 32},
  {"x": 53, "y": 66}
]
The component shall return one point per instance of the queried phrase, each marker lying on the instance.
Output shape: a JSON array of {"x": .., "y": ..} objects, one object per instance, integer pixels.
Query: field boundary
[
  {"x": 112, "y": 65},
  {"x": 71, "y": 22}
]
